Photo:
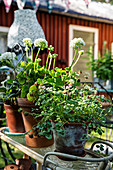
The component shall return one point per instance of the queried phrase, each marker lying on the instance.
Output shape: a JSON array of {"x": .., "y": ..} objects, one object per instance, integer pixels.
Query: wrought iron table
[{"x": 46, "y": 157}]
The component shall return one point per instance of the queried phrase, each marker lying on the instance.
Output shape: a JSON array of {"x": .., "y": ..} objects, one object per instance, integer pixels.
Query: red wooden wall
[{"x": 56, "y": 29}]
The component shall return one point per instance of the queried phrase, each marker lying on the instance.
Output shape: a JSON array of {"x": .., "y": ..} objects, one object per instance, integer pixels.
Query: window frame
[
  {"x": 4, "y": 30},
  {"x": 84, "y": 29}
]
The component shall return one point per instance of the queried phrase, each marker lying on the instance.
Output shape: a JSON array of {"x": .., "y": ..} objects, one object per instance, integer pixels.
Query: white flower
[
  {"x": 71, "y": 81},
  {"x": 81, "y": 52},
  {"x": 41, "y": 88},
  {"x": 27, "y": 41},
  {"x": 8, "y": 77},
  {"x": 40, "y": 42},
  {"x": 77, "y": 42},
  {"x": 7, "y": 56},
  {"x": 67, "y": 87}
]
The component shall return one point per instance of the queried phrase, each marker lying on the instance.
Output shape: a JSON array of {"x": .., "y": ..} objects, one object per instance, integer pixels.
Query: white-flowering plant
[
  {"x": 77, "y": 43},
  {"x": 59, "y": 96},
  {"x": 7, "y": 59},
  {"x": 32, "y": 70},
  {"x": 56, "y": 92}
]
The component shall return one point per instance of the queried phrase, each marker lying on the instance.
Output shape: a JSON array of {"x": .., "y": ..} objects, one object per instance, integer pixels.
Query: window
[
  {"x": 90, "y": 36},
  {"x": 3, "y": 39}
]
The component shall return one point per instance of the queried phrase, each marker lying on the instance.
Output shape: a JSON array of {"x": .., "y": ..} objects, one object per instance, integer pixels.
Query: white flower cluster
[
  {"x": 71, "y": 81},
  {"x": 27, "y": 41},
  {"x": 77, "y": 42},
  {"x": 40, "y": 42},
  {"x": 7, "y": 56},
  {"x": 41, "y": 88},
  {"x": 81, "y": 52}
]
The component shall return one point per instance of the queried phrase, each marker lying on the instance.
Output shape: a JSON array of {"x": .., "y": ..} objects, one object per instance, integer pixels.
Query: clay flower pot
[
  {"x": 105, "y": 105},
  {"x": 14, "y": 119},
  {"x": 31, "y": 138},
  {"x": 11, "y": 166}
]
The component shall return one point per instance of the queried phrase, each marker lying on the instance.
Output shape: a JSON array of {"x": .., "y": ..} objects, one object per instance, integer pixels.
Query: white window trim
[
  {"x": 4, "y": 29},
  {"x": 85, "y": 29}
]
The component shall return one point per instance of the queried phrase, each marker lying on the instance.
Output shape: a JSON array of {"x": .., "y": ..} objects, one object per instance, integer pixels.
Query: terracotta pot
[
  {"x": 71, "y": 142},
  {"x": 28, "y": 119},
  {"x": 14, "y": 119},
  {"x": 24, "y": 164},
  {"x": 106, "y": 105},
  {"x": 105, "y": 94},
  {"x": 38, "y": 142},
  {"x": 11, "y": 166},
  {"x": 29, "y": 122}
]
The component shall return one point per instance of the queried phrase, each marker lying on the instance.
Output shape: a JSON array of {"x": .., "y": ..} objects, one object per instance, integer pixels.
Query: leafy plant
[
  {"x": 61, "y": 98},
  {"x": 10, "y": 87},
  {"x": 103, "y": 66}
]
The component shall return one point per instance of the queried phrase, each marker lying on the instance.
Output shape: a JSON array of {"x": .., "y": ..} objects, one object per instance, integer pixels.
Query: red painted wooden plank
[
  {"x": 60, "y": 37},
  {"x": 64, "y": 39},
  {"x": 51, "y": 30},
  {"x": 56, "y": 34}
]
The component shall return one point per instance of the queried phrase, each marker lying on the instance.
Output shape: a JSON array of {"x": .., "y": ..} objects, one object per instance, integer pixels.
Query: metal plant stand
[{"x": 103, "y": 162}]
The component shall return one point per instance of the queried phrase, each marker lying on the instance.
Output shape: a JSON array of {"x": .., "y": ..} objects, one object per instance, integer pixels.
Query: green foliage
[
  {"x": 103, "y": 66},
  {"x": 60, "y": 97}
]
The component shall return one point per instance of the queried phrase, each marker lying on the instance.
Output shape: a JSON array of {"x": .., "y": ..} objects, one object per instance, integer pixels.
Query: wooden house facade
[{"x": 60, "y": 27}]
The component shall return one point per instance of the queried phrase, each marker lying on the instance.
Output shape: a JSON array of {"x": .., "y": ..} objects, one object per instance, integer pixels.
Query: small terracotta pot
[
  {"x": 29, "y": 122},
  {"x": 38, "y": 142},
  {"x": 106, "y": 105},
  {"x": 11, "y": 167},
  {"x": 24, "y": 164},
  {"x": 14, "y": 119},
  {"x": 35, "y": 142},
  {"x": 71, "y": 142}
]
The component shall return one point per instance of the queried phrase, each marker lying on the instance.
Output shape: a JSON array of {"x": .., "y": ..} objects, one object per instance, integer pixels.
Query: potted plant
[
  {"x": 30, "y": 71},
  {"x": 71, "y": 107},
  {"x": 10, "y": 91},
  {"x": 102, "y": 67}
]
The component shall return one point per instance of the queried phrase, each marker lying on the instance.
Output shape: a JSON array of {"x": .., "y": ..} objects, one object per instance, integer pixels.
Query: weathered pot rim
[
  {"x": 22, "y": 102},
  {"x": 73, "y": 123},
  {"x": 9, "y": 105}
]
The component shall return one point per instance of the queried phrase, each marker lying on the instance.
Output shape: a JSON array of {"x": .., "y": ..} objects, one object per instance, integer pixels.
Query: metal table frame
[{"x": 43, "y": 159}]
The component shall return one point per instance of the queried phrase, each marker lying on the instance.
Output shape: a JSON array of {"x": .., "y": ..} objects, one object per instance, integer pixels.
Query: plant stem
[
  {"x": 54, "y": 64},
  {"x": 47, "y": 59},
  {"x": 50, "y": 63},
  {"x": 74, "y": 57},
  {"x": 37, "y": 53},
  {"x": 76, "y": 61},
  {"x": 36, "y": 58},
  {"x": 32, "y": 53},
  {"x": 27, "y": 52}
]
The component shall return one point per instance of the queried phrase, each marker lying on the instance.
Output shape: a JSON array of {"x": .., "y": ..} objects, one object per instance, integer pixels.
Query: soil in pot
[
  {"x": 14, "y": 119},
  {"x": 72, "y": 142},
  {"x": 31, "y": 138}
]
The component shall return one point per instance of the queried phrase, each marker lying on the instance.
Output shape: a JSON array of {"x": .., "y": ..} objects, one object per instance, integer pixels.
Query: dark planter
[
  {"x": 71, "y": 143},
  {"x": 14, "y": 119},
  {"x": 29, "y": 122}
]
